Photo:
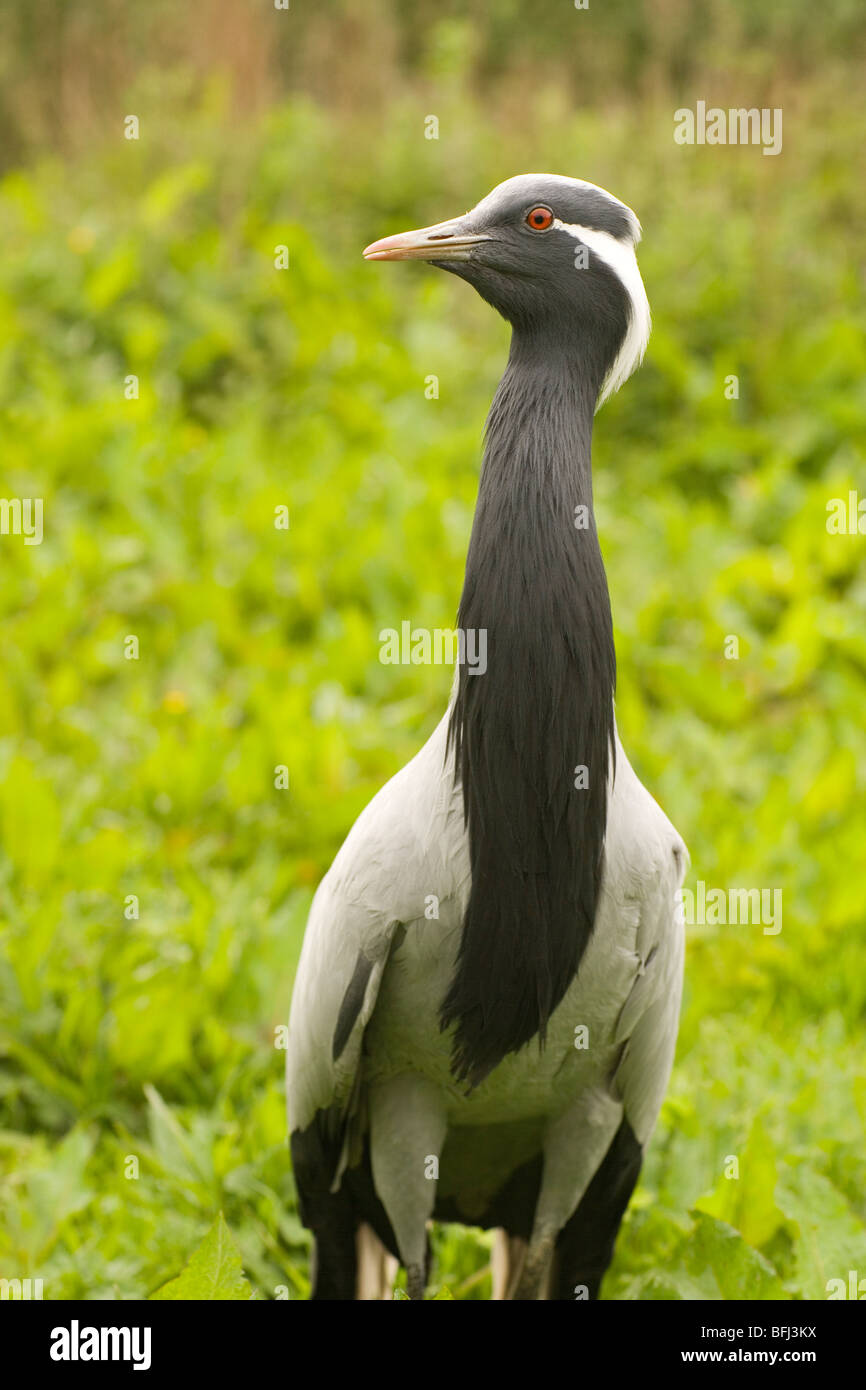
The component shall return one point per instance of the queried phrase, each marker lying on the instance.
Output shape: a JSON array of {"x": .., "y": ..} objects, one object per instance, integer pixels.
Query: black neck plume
[{"x": 542, "y": 711}]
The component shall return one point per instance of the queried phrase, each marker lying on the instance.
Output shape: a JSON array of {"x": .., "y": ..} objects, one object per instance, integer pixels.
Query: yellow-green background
[{"x": 154, "y": 1038}]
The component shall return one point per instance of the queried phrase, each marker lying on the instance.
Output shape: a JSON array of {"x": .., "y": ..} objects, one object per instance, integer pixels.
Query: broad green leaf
[
  {"x": 711, "y": 1262},
  {"x": 747, "y": 1201},
  {"x": 830, "y": 1239},
  {"x": 215, "y": 1271},
  {"x": 716, "y": 1251}
]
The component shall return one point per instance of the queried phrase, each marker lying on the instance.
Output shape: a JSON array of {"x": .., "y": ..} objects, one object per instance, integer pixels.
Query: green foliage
[
  {"x": 141, "y": 1090},
  {"x": 214, "y": 1272},
  {"x": 707, "y": 1260}
]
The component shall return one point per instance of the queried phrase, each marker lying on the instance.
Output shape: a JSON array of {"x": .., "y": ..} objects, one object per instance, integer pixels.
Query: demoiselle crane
[{"x": 502, "y": 1064}]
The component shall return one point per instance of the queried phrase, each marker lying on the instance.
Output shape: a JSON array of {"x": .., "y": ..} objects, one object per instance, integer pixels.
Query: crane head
[{"x": 556, "y": 257}]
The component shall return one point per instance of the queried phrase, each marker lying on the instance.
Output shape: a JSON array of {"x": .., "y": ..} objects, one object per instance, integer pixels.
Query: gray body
[{"x": 392, "y": 1081}]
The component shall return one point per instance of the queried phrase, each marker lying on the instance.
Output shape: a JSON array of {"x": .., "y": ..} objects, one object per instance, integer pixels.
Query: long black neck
[{"x": 533, "y": 736}]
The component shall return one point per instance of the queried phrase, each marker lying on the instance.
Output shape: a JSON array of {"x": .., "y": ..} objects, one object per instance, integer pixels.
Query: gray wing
[
  {"x": 648, "y": 1023},
  {"x": 407, "y": 844}
]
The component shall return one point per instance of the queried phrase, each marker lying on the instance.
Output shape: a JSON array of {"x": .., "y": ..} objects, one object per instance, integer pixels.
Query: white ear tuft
[{"x": 620, "y": 257}]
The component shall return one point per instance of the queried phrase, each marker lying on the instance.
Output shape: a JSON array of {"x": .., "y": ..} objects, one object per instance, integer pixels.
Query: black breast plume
[{"x": 533, "y": 736}]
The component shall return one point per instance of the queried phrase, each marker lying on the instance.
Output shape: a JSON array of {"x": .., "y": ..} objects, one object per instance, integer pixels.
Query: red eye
[{"x": 539, "y": 219}]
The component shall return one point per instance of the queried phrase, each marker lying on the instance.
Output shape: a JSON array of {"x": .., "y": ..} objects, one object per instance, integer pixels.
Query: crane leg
[
  {"x": 574, "y": 1149},
  {"x": 377, "y": 1270},
  {"x": 407, "y": 1131},
  {"x": 329, "y": 1215},
  {"x": 584, "y": 1248}
]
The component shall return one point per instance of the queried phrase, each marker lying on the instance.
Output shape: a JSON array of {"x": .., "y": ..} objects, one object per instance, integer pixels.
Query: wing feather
[{"x": 408, "y": 843}]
